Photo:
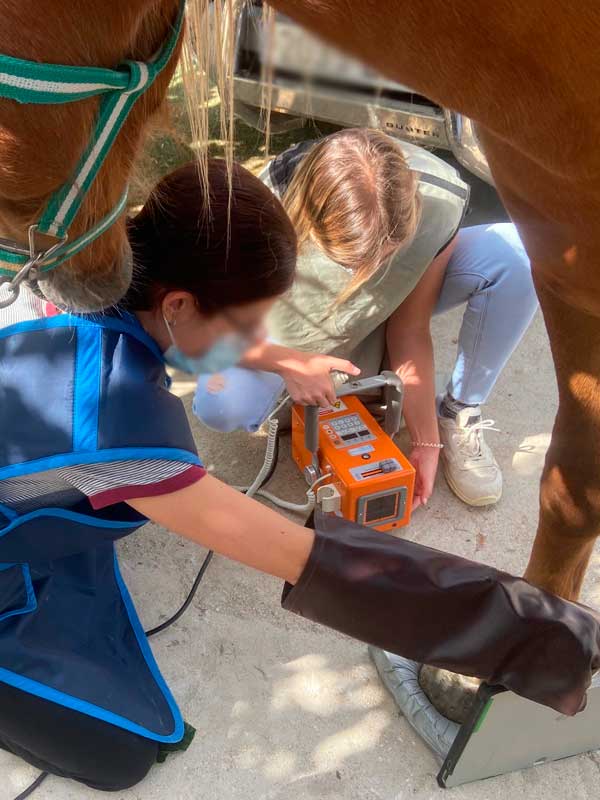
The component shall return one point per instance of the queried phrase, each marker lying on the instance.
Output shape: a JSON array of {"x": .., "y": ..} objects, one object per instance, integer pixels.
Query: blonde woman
[{"x": 382, "y": 250}]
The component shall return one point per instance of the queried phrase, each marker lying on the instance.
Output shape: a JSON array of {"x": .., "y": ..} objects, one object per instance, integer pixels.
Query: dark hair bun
[{"x": 237, "y": 248}]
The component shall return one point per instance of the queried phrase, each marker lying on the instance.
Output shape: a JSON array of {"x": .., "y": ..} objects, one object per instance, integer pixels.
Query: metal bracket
[{"x": 29, "y": 269}]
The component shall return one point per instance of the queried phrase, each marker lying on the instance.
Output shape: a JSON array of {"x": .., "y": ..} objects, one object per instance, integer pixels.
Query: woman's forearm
[
  {"x": 411, "y": 357},
  {"x": 411, "y": 351},
  {"x": 218, "y": 517},
  {"x": 268, "y": 357}
]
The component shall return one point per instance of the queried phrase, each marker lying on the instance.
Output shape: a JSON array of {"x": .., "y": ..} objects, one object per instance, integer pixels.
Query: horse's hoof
[{"x": 451, "y": 694}]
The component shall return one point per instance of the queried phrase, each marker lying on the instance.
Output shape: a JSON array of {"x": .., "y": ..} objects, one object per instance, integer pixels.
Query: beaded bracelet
[{"x": 438, "y": 445}]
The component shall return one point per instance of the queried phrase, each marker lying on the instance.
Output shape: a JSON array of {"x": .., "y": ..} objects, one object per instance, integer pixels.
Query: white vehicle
[{"x": 311, "y": 80}]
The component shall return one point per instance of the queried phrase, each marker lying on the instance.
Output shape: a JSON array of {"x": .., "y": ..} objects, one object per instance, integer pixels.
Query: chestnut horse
[{"x": 527, "y": 73}]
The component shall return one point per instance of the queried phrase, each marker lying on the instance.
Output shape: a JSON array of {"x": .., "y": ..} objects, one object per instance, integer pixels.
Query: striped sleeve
[
  {"x": 102, "y": 484},
  {"x": 118, "y": 481}
]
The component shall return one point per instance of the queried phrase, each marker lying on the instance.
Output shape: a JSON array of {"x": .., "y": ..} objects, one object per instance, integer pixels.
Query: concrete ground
[{"x": 286, "y": 709}]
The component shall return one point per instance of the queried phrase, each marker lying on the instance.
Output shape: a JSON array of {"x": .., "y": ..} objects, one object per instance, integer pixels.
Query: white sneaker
[{"x": 469, "y": 466}]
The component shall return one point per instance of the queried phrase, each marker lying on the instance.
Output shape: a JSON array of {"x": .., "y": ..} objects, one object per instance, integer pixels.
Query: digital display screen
[{"x": 381, "y": 507}]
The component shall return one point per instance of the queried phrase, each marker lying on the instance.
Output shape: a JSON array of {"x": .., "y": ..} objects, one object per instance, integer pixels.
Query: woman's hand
[
  {"x": 425, "y": 461},
  {"x": 307, "y": 377}
]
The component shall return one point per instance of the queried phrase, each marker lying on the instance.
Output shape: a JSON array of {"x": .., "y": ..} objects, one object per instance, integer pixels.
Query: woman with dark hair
[
  {"x": 93, "y": 453},
  {"x": 90, "y": 455}
]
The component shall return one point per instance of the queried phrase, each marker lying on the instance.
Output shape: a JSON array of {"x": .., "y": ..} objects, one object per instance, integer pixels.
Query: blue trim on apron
[
  {"x": 88, "y": 365},
  {"x": 30, "y": 601},
  {"x": 126, "y": 324},
  {"x": 61, "y": 699},
  {"x": 97, "y": 457},
  {"x": 77, "y": 704},
  {"x": 147, "y": 652},
  {"x": 7, "y": 512},
  {"x": 74, "y": 516}
]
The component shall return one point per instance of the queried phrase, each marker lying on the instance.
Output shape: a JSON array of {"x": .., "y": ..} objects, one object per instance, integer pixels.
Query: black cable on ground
[
  {"x": 188, "y": 599},
  {"x": 31, "y": 789},
  {"x": 207, "y": 561}
]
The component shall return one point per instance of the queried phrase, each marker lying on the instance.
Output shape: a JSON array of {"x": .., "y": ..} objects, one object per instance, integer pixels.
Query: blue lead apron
[{"x": 81, "y": 390}]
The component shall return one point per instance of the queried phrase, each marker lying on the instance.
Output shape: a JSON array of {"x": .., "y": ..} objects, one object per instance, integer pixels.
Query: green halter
[{"x": 31, "y": 82}]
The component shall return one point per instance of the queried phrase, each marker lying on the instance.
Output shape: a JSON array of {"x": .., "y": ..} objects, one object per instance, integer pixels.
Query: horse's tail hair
[{"x": 208, "y": 57}]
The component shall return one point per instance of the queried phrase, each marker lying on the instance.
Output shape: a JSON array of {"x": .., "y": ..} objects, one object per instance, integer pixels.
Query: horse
[{"x": 527, "y": 74}]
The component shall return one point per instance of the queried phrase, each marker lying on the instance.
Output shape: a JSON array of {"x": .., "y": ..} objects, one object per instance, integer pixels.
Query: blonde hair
[
  {"x": 207, "y": 55},
  {"x": 354, "y": 196},
  {"x": 207, "y": 60}
]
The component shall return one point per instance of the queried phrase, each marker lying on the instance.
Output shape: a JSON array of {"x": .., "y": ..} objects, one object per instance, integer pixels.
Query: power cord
[
  {"x": 31, "y": 789},
  {"x": 187, "y": 601}
]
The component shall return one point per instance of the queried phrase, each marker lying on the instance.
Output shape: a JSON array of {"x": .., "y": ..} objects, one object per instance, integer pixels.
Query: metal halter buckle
[{"x": 29, "y": 270}]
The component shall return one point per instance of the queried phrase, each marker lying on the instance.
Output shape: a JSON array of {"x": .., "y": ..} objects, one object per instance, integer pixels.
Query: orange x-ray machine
[{"x": 360, "y": 472}]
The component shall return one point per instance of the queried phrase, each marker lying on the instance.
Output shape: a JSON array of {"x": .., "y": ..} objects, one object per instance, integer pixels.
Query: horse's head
[{"x": 41, "y": 144}]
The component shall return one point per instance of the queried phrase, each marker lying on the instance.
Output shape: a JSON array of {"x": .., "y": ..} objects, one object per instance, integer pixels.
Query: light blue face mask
[{"x": 226, "y": 352}]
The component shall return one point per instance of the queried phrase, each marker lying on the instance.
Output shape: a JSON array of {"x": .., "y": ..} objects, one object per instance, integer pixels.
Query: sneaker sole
[{"x": 490, "y": 500}]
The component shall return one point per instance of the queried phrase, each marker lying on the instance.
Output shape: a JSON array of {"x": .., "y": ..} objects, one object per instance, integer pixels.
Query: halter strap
[{"x": 31, "y": 82}]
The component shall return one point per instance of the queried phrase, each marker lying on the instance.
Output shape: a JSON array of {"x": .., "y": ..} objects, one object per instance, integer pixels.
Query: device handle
[
  {"x": 393, "y": 396},
  {"x": 311, "y": 428},
  {"x": 311, "y": 415},
  {"x": 392, "y": 392}
]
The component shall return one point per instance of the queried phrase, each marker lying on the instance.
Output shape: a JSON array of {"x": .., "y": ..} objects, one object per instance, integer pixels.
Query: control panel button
[{"x": 350, "y": 430}]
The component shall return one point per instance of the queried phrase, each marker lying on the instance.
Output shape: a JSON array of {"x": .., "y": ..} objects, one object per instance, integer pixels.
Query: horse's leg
[
  {"x": 570, "y": 490},
  {"x": 564, "y": 246}
]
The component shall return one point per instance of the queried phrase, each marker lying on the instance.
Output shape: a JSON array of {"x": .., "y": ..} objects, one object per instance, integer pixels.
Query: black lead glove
[{"x": 449, "y": 612}]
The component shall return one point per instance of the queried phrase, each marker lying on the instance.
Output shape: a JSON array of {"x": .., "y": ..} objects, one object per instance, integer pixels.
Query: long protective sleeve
[{"x": 439, "y": 609}]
